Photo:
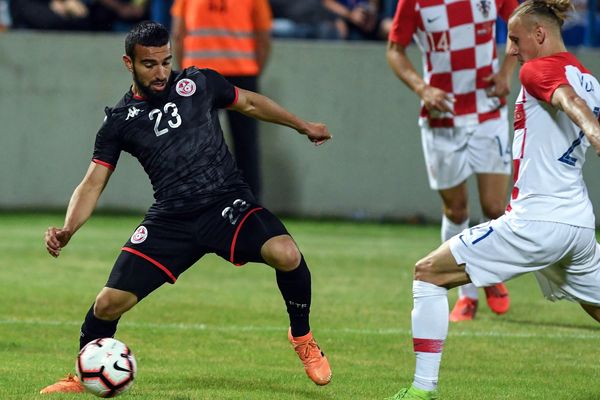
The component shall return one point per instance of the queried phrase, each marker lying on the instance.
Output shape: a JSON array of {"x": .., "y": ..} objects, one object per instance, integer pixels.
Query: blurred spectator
[
  {"x": 119, "y": 15},
  {"x": 50, "y": 14},
  {"x": 103, "y": 15},
  {"x": 232, "y": 37},
  {"x": 357, "y": 19},
  {"x": 388, "y": 9},
  {"x": 5, "y": 19},
  {"x": 160, "y": 12},
  {"x": 306, "y": 19}
]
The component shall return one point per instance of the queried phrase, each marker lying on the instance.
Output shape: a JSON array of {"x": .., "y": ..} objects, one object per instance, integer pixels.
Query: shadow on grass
[
  {"x": 211, "y": 383},
  {"x": 581, "y": 327}
]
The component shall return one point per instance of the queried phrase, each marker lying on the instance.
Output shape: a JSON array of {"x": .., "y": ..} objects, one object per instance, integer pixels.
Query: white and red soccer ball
[{"x": 106, "y": 367}]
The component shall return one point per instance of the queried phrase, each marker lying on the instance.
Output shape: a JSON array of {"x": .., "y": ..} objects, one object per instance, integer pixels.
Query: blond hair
[{"x": 552, "y": 10}]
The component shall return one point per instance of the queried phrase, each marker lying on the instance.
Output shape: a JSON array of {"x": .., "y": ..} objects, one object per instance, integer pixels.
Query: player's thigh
[
  {"x": 158, "y": 251},
  {"x": 504, "y": 248},
  {"x": 237, "y": 228},
  {"x": 493, "y": 192},
  {"x": 489, "y": 147},
  {"x": 445, "y": 152}
]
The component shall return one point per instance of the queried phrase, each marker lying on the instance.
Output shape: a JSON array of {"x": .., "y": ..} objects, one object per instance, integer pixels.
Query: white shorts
[
  {"x": 565, "y": 258},
  {"x": 454, "y": 154}
]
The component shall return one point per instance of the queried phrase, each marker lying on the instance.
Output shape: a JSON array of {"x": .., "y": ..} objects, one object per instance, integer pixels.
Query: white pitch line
[{"x": 368, "y": 332}]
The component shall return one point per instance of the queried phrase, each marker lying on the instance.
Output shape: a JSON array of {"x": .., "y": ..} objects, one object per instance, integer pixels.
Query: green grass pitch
[{"x": 220, "y": 331}]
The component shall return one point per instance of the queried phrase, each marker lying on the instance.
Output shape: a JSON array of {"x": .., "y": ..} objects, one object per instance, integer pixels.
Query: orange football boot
[
  {"x": 315, "y": 363},
  {"x": 70, "y": 384},
  {"x": 497, "y": 298},
  {"x": 464, "y": 310}
]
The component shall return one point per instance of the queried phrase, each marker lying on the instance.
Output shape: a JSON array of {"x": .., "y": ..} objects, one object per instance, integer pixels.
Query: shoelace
[{"x": 310, "y": 352}]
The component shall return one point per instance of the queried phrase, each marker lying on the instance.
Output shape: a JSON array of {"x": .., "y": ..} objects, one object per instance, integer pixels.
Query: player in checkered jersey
[
  {"x": 463, "y": 119},
  {"x": 549, "y": 226}
]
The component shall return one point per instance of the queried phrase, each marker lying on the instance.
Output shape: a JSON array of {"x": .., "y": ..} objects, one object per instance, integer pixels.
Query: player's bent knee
[
  {"x": 493, "y": 211},
  {"x": 282, "y": 253},
  {"x": 424, "y": 269},
  {"x": 111, "y": 303}
]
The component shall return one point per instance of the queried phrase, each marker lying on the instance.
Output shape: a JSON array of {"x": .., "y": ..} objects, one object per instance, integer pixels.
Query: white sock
[
  {"x": 450, "y": 229},
  {"x": 429, "y": 330},
  {"x": 469, "y": 290}
]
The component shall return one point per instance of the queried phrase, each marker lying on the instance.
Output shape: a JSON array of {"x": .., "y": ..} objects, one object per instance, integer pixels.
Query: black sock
[
  {"x": 94, "y": 328},
  {"x": 295, "y": 289}
]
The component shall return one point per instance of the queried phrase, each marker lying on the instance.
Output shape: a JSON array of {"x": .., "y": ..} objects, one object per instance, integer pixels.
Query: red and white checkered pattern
[{"x": 457, "y": 39}]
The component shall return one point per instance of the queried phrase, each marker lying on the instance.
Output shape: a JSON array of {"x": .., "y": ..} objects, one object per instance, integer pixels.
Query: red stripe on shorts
[
  {"x": 237, "y": 231},
  {"x": 152, "y": 260},
  {"x": 428, "y": 345}
]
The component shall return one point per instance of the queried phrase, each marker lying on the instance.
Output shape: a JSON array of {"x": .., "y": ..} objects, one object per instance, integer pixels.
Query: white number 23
[{"x": 174, "y": 122}]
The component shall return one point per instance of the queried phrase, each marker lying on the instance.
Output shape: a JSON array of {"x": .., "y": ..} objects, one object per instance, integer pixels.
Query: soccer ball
[{"x": 106, "y": 367}]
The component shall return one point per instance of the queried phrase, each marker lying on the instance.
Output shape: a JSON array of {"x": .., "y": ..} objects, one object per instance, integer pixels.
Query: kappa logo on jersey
[
  {"x": 234, "y": 213},
  {"x": 186, "y": 87},
  {"x": 484, "y": 7},
  {"x": 132, "y": 112},
  {"x": 140, "y": 234}
]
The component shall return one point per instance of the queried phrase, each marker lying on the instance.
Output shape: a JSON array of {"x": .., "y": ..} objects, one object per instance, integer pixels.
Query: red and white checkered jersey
[
  {"x": 458, "y": 41},
  {"x": 548, "y": 148}
]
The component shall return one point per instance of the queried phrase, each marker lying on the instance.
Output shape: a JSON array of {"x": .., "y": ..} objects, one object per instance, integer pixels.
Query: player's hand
[
  {"x": 317, "y": 133},
  {"x": 499, "y": 85},
  {"x": 437, "y": 100},
  {"x": 56, "y": 239}
]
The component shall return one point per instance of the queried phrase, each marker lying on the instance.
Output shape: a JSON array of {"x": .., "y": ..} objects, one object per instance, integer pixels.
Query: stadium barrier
[{"x": 55, "y": 86}]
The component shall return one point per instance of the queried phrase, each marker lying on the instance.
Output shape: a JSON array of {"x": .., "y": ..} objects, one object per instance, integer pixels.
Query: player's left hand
[
  {"x": 317, "y": 133},
  {"x": 499, "y": 85}
]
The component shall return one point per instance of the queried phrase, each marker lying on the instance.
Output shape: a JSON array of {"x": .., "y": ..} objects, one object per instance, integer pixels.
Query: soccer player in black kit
[{"x": 168, "y": 120}]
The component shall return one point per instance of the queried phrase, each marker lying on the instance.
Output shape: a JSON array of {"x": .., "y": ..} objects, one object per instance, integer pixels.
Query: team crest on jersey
[
  {"x": 140, "y": 234},
  {"x": 185, "y": 87},
  {"x": 484, "y": 7}
]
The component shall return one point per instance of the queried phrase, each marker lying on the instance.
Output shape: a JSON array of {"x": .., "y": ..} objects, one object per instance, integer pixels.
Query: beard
[{"x": 152, "y": 96}]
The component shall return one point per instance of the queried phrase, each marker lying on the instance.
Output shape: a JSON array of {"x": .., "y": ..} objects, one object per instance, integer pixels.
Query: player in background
[
  {"x": 549, "y": 226},
  {"x": 169, "y": 121},
  {"x": 463, "y": 118}
]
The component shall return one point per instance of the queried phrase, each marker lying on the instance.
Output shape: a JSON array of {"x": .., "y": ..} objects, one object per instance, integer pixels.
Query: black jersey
[{"x": 178, "y": 141}]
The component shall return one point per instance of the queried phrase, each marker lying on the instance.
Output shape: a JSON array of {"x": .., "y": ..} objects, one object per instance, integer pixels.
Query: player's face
[
  {"x": 523, "y": 40},
  {"x": 151, "y": 68}
]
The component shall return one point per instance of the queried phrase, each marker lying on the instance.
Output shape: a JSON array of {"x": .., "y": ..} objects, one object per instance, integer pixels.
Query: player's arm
[
  {"x": 564, "y": 98},
  {"x": 433, "y": 98},
  {"x": 261, "y": 107},
  {"x": 82, "y": 204},
  {"x": 500, "y": 82}
]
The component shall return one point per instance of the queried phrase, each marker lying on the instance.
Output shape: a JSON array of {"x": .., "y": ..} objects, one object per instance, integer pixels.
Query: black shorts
[{"x": 162, "y": 247}]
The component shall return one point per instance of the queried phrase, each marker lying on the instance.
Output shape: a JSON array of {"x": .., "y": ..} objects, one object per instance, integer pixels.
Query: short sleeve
[
  {"x": 541, "y": 77},
  {"x": 404, "y": 23},
  {"x": 224, "y": 94},
  {"x": 263, "y": 18},
  {"x": 107, "y": 148},
  {"x": 177, "y": 9},
  {"x": 506, "y": 8}
]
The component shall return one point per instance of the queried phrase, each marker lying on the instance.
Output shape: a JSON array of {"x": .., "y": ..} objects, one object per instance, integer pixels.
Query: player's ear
[
  {"x": 540, "y": 34},
  {"x": 128, "y": 62}
]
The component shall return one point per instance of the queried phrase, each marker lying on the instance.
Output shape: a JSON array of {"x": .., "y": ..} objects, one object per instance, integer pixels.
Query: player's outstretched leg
[
  {"x": 294, "y": 282},
  {"x": 110, "y": 304}
]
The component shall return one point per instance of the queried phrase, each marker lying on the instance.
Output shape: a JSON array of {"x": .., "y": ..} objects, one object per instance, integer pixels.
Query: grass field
[{"x": 220, "y": 332}]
